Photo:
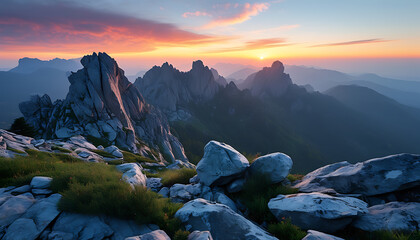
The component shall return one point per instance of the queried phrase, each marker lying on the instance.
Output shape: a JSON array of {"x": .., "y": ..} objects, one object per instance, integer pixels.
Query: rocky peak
[
  {"x": 172, "y": 90},
  {"x": 103, "y": 104},
  {"x": 270, "y": 81}
]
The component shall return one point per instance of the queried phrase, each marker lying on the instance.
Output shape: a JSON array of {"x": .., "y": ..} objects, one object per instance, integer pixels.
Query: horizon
[{"x": 251, "y": 33}]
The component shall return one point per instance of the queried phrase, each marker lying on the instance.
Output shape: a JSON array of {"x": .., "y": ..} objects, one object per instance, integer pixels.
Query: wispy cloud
[
  {"x": 256, "y": 44},
  {"x": 364, "y": 41},
  {"x": 195, "y": 14},
  {"x": 66, "y": 27},
  {"x": 230, "y": 14}
]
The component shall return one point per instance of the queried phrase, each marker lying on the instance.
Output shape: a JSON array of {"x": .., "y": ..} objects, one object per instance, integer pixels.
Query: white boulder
[
  {"x": 317, "y": 211},
  {"x": 41, "y": 182},
  {"x": 220, "y": 220},
  {"x": 132, "y": 174},
  {"x": 220, "y": 164},
  {"x": 275, "y": 166},
  {"x": 315, "y": 235}
]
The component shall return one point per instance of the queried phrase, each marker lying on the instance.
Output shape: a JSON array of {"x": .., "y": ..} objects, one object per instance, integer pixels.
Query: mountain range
[{"x": 269, "y": 111}]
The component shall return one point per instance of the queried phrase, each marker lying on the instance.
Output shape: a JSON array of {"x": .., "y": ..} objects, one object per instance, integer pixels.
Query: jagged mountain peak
[{"x": 103, "y": 104}]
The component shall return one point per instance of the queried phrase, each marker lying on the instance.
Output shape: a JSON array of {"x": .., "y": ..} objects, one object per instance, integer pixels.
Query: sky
[{"x": 379, "y": 36}]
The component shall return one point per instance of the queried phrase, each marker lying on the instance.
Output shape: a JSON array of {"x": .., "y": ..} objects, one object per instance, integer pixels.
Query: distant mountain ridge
[{"x": 29, "y": 65}]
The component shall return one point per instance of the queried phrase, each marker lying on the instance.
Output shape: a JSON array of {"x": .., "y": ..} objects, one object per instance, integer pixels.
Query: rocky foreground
[{"x": 378, "y": 194}]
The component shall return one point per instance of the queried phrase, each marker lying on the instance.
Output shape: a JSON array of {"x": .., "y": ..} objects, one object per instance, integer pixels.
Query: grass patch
[
  {"x": 91, "y": 188},
  {"x": 183, "y": 175},
  {"x": 61, "y": 149},
  {"x": 103, "y": 153},
  {"x": 294, "y": 177},
  {"x": 286, "y": 230},
  {"x": 15, "y": 150},
  {"x": 131, "y": 157},
  {"x": 256, "y": 194}
]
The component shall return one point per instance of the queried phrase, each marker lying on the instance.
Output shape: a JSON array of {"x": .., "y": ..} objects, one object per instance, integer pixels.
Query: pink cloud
[
  {"x": 195, "y": 14},
  {"x": 64, "y": 27},
  {"x": 243, "y": 13},
  {"x": 364, "y": 41}
]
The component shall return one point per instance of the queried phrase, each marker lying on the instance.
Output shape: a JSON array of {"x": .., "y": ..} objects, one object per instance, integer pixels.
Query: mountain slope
[{"x": 29, "y": 65}]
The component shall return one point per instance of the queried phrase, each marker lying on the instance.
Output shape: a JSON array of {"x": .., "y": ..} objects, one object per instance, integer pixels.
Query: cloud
[
  {"x": 236, "y": 13},
  {"x": 256, "y": 44},
  {"x": 195, "y": 14},
  {"x": 365, "y": 41},
  {"x": 63, "y": 27}
]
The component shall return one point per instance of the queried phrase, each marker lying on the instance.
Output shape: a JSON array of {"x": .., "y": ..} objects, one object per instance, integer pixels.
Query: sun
[{"x": 261, "y": 57}]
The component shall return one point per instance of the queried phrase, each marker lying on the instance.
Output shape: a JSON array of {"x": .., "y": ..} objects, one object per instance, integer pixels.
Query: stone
[
  {"x": 154, "y": 184},
  {"x": 22, "y": 228},
  {"x": 38, "y": 191},
  {"x": 22, "y": 189},
  {"x": 114, "y": 151},
  {"x": 127, "y": 228},
  {"x": 274, "y": 166},
  {"x": 81, "y": 226},
  {"x": 315, "y": 235},
  {"x": 57, "y": 235},
  {"x": 132, "y": 174},
  {"x": 220, "y": 164},
  {"x": 200, "y": 235},
  {"x": 317, "y": 211},
  {"x": 13, "y": 208},
  {"x": 225, "y": 200},
  {"x": 372, "y": 177},
  {"x": 155, "y": 235},
  {"x": 236, "y": 185},
  {"x": 392, "y": 216},
  {"x": 183, "y": 192},
  {"x": 202, "y": 215},
  {"x": 180, "y": 164},
  {"x": 194, "y": 180},
  {"x": 164, "y": 192},
  {"x": 41, "y": 182}
]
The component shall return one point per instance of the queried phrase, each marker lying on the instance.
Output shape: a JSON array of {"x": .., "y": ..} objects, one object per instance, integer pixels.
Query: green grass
[
  {"x": 286, "y": 230},
  {"x": 63, "y": 150},
  {"x": 103, "y": 153},
  {"x": 170, "y": 177},
  {"x": 15, "y": 150},
  {"x": 256, "y": 194},
  {"x": 131, "y": 157}
]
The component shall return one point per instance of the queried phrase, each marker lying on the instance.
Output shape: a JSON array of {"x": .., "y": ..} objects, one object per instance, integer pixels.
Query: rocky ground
[{"x": 378, "y": 194}]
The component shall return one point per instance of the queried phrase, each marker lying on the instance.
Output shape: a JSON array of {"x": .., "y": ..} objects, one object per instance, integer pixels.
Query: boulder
[
  {"x": 155, "y": 235},
  {"x": 180, "y": 164},
  {"x": 391, "y": 216},
  {"x": 372, "y": 177},
  {"x": 22, "y": 228},
  {"x": 127, "y": 228},
  {"x": 114, "y": 151},
  {"x": 220, "y": 220},
  {"x": 220, "y": 164},
  {"x": 13, "y": 208},
  {"x": 317, "y": 211},
  {"x": 164, "y": 192},
  {"x": 236, "y": 185},
  {"x": 197, "y": 235},
  {"x": 80, "y": 227},
  {"x": 315, "y": 235},
  {"x": 132, "y": 174},
  {"x": 184, "y": 192},
  {"x": 154, "y": 184},
  {"x": 275, "y": 166},
  {"x": 22, "y": 189},
  {"x": 41, "y": 182}
]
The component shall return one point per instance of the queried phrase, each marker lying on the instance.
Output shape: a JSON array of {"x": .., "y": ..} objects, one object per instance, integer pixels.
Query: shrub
[
  {"x": 294, "y": 177},
  {"x": 256, "y": 194},
  {"x": 286, "y": 230},
  {"x": 183, "y": 175},
  {"x": 20, "y": 127},
  {"x": 181, "y": 235}
]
